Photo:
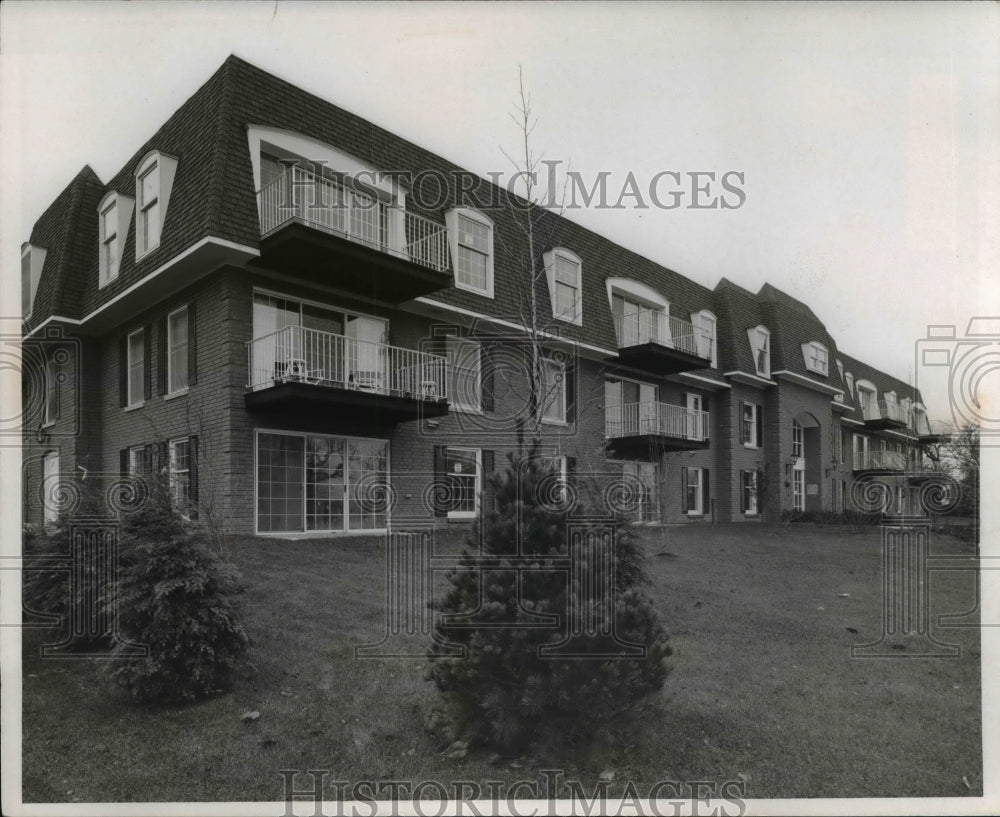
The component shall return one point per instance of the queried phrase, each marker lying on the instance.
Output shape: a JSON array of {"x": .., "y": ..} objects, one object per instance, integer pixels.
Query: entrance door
[
  {"x": 798, "y": 467},
  {"x": 695, "y": 424},
  {"x": 365, "y": 353},
  {"x": 647, "y": 504}
]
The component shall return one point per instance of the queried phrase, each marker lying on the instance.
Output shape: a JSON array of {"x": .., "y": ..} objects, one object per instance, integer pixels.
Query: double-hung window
[
  {"x": 760, "y": 345},
  {"x": 148, "y": 232},
  {"x": 751, "y": 425},
  {"x": 564, "y": 272},
  {"x": 462, "y": 466},
  {"x": 109, "y": 242},
  {"x": 180, "y": 474},
  {"x": 135, "y": 368},
  {"x": 471, "y": 237},
  {"x": 553, "y": 391},
  {"x": 177, "y": 350},
  {"x": 465, "y": 374}
]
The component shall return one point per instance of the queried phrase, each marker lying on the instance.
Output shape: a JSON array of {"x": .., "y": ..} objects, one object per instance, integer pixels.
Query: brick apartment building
[{"x": 251, "y": 305}]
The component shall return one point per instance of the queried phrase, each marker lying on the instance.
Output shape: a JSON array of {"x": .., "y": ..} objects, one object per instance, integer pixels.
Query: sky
[{"x": 867, "y": 135}]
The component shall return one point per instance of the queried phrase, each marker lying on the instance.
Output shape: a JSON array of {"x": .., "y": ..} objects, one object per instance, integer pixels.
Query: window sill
[
  {"x": 135, "y": 406},
  {"x": 148, "y": 251},
  {"x": 462, "y": 516},
  {"x": 179, "y": 393},
  {"x": 49, "y": 424},
  {"x": 561, "y": 423},
  {"x": 752, "y": 446}
]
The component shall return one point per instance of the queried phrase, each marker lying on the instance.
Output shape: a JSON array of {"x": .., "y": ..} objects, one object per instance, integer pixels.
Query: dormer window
[
  {"x": 154, "y": 179},
  {"x": 32, "y": 261},
  {"x": 816, "y": 357},
  {"x": 114, "y": 214},
  {"x": 849, "y": 380},
  {"x": 704, "y": 323},
  {"x": 563, "y": 269},
  {"x": 840, "y": 369},
  {"x": 760, "y": 345},
  {"x": 470, "y": 234}
]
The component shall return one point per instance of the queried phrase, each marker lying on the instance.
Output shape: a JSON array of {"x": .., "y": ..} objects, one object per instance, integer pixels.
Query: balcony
[
  {"x": 342, "y": 236},
  {"x": 884, "y": 415},
  {"x": 645, "y": 430},
  {"x": 880, "y": 461},
  {"x": 305, "y": 371},
  {"x": 661, "y": 344}
]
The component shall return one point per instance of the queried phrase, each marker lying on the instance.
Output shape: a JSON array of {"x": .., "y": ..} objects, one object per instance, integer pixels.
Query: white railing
[
  {"x": 661, "y": 419},
  {"x": 300, "y": 355},
  {"x": 880, "y": 461},
  {"x": 334, "y": 207},
  {"x": 893, "y": 411},
  {"x": 644, "y": 327}
]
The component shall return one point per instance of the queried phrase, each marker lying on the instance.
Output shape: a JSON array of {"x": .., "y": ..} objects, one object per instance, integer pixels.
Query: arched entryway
[{"x": 806, "y": 468}]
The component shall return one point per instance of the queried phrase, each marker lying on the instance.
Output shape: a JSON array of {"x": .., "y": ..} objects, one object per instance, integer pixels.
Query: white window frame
[
  {"x": 173, "y": 473},
  {"x": 122, "y": 206},
  {"x": 708, "y": 340},
  {"x": 849, "y": 381},
  {"x": 453, "y": 222},
  {"x": 798, "y": 440},
  {"x": 699, "y": 509},
  {"x": 752, "y": 503},
  {"x": 51, "y": 407},
  {"x": 549, "y": 260},
  {"x": 170, "y": 350},
  {"x": 867, "y": 387},
  {"x": 478, "y": 482},
  {"x": 760, "y": 341},
  {"x": 547, "y": 391},
  {"x": 130, "y": 367},
  {"x": 816, "y": 357},
  {"x": 840, "y": 369},
  {"x": 458, "y": 343},
  {"x": 750, "y": 440},
  {"x": 164, "y": 167},
  {"x": 134, "y": 453}
]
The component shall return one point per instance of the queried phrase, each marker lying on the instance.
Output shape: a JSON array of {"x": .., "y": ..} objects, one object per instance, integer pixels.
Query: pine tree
[
  {"x": 503, "y": 692},
  {"x": 178, "y": 599}
]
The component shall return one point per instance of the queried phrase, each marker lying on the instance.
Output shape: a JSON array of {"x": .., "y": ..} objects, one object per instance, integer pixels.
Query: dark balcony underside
[
  {"x": 885, "y": 423},
  {"x": 649, "y": 446},
  {"x": 354, "y": 405},
  {"x": 659, "y": 359},
  {"x": 332, "y": 260}
]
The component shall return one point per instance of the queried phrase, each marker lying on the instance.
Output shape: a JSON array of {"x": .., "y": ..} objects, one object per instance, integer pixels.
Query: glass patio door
[{"x": 364, "y": 353}]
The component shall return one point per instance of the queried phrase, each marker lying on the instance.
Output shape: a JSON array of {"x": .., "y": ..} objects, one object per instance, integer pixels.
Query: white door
[
  {"x": 647, "y": 409},
  {"x": 695, "y": 424},
  {"x": 365, "y": 352}
]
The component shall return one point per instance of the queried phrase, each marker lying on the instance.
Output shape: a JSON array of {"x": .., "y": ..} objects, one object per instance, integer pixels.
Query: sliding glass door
[{"x": 320, "y": 483}]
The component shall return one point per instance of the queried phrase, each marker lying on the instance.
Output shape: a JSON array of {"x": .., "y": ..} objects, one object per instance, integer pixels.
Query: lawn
[{"x": 763, "y": 689}]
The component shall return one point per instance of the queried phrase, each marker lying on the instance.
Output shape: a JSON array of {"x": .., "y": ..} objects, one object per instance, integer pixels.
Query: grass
[{"x": 763, "y": 688}]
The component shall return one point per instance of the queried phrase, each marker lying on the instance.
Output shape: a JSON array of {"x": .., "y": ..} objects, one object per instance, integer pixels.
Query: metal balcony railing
[
  {"x": 661, "y": 419},
  {"x": 893, "y": 411},
  {"x": 334, "y": 207},
  {"x": 636, "y": 328},
  {"x": 300, "y": 355},
  {"x": 881, "y": 461}
]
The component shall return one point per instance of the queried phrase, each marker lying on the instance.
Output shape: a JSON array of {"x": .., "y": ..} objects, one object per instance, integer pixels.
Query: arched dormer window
[
  {"x": 760, "y": 346},
  {"x": 470, "y": 236},
  {"x": 704, "y": 324},
  {"x": 154, "y": 179},
  {"x": 564, "y": 272},
  {"x": 816, "y": 357},
  {"x": 114, "y": 214}
]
